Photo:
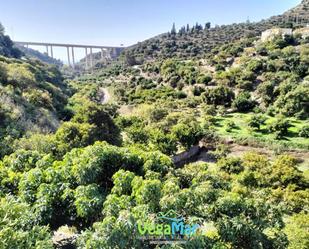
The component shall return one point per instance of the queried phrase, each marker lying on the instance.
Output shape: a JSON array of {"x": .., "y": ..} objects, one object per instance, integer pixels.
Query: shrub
[
  {"x": 230, "y": 125},
  {"x": 74, "y": 135},
  {"x": 279, "y": 127},
  {"x": 101, "y": 117},
  {"x": 3, "y": 73},
  {"x": 230, "y": 165},
  {"x": 20, "y": 75},
  {"x": 243, "y": 102},
  {"x": 180, "y": 95},
  {"x": 88, "y": 201},
  {"x": 256, "y": 121},
  {"x": 22, "y": 160},
  {"x": 219, "y": 96},
  {"x": 204, "y": 79},
  {"x": 157, "y": 114},
  {"x": 304, "y": 131},
  {"x": 297, "y": 231},
  {"x": 19, "y": 228},
  {"x": 188, "y": 134}
]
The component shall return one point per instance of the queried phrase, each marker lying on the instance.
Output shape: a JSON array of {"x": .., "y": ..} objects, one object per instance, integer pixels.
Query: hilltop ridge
[{"x": 198, "y": 40}]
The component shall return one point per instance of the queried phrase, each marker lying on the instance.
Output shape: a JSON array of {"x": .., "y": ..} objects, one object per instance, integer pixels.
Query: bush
[
  {"x": 188, "y": 134},
  {"x": 297, "y": 231},
  {"x": 19, "y": 75},
  {"x": 243, "y": 102},
  {"x": 230, "y": 125},
  {"x": 256, "y": 121},
  {"x": 101, "y": 118},
  {"x": 204, "y": 79},
  {"x": 230, "y": 165},
  {"x": 74, "y": 135},
  {"x": 180, "y": 95},
  {"x": 88, "y": 201},
  {"x": 219, "y": 96},
  {"x": 157, "y": 114},
  {"x": 22, "y": 160},
  {"x": 19, "y": 228},
  {"x": 304, "y": 131},
  {"x": 279, "y": 127},
  {"x": 3, "y": 74}
]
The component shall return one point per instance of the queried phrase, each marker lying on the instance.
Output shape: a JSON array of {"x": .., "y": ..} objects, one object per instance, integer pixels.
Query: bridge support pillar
[
  {"x": 91, "y": 58},
  {"x": 68, "y": 53},
  {"x": 86, "y": 57},
  {"x": 47, "y": 50},
  {"x": 102, "y": 53},
  {"x": 73, "y": 58},
  {"x": 51, "y": 52}
]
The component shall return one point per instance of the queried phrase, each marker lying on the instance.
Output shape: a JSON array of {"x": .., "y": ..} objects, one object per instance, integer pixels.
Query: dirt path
[{"x": 105, "y": 95}]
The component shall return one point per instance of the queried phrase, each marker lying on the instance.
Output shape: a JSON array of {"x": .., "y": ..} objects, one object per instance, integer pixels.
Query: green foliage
[
  {"x": 33, "y": 96},
  {"x": 284, "y": 172},
  {"x": 122, "y": 182},
  {"x": 7, "y": 47},
  {"x": 98, "y": 163},
  {"x": 20, "y": 227},
  {"x": 59, "y": 166},
  {"x": 256, "y": 121},
  {"x": 297, "y": 231},
  {"x": 157, "y": 114},
  {"x": 74, "y": 135},
  {"x": 219, "y": 96},
  {"x": 22, "y": 160},
  {"x": 101, "y": 118},
  {"x": 230, "y": 165},
  {"x": 188, "y": 134},
  {"x": 147, "y": 192},
  {"x": 304, "y": 132},
  {"x": 204, "y": 79},
  {"x": 243, "y": 102},
  {"x": 230, "y": 125},
  {"x": 88, "y": 201},
  {"x": 279, "y": 127}
]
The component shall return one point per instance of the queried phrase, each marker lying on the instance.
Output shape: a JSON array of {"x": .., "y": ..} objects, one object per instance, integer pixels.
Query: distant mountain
[{"x": 196, "y": 41}]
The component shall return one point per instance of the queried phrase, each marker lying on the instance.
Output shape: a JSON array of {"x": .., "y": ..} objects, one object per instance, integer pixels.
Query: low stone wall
[{"x": 184, "y": 157}]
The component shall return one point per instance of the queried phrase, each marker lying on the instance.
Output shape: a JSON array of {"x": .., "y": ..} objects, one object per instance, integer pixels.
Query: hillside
[
  {"x": 7, "y": 47},
  {"x": 36, "y": 55},
  {"x": 247, "y": 75},
  {"x": 196, "y": 41},
  {"x": 211, "y": 137},
  {"x": 32, "y": 99}
]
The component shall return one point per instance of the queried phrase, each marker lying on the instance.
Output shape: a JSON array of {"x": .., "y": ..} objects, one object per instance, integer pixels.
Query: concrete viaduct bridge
[{"x": 106, "y": 51}]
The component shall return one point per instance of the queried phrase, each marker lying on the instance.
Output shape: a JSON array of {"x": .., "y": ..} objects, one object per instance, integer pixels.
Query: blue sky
[{"x": 115, "y": 22}]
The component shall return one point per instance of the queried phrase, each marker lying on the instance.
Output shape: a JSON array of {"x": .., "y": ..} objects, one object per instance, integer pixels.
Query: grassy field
[{"x": 242, "y": 133}]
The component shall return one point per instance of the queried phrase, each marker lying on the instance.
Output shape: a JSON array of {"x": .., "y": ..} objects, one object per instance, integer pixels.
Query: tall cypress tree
[{"x": 173, "y": 31}]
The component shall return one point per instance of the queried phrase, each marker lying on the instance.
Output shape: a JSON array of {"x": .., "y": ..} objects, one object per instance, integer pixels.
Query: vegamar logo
[{"x": 167, "y": 228}]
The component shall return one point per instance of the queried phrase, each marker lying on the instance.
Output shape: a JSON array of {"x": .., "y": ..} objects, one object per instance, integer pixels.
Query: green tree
[
  {"x": 279, "y": 127},
  {"x": 304, "y": 131},
  {"x": 88, "y": 201},
  {"x": 220, "y": 95},
  {"x": 256, "y": 121},
  {"x": 243, "y": 102}
]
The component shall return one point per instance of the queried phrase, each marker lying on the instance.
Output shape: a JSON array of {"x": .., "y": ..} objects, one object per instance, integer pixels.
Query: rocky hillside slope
[{"x": 196, "y": 41}]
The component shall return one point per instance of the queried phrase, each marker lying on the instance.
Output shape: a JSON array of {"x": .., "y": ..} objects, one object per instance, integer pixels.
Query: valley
[{"x": 196, "y": 138}]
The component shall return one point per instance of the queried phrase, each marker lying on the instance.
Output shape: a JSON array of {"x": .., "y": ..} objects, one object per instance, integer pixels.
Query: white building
[
  {"x": 270, "y": 34},
  {"x": 304, "y": 32}
]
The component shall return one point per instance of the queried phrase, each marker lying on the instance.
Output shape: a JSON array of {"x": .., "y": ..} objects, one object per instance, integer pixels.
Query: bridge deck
[{"x": 63, "y": 45}]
